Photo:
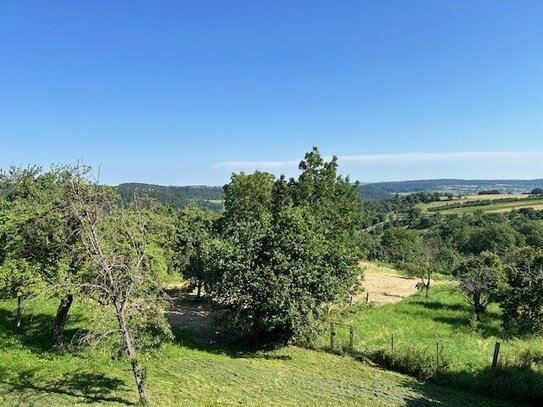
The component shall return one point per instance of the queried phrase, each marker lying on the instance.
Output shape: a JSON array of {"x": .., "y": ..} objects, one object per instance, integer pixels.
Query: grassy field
[
  {"x": 536, "y": 203},
  {"x": 418, "y": 324},
  {"x": 470, "y": 198},
  {"x": 188, "y": 373}
]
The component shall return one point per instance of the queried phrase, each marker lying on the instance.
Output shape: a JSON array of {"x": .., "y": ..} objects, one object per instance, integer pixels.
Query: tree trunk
[
  {"x": 199, "y": 292},
  {"x": 138, "y": 374},
  {"x": 60, "y": 321},
  {"x": 19, "y": 310},
  {"x": 428, "y": 283},
  {"x": 478, "y": 312}
]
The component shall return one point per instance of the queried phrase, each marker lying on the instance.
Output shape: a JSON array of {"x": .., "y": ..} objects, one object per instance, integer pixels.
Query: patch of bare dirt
[{"x": 194, "y": 316}]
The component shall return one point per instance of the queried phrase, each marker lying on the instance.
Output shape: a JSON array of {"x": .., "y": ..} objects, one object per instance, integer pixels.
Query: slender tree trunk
[
  {"x": 428, "y": 283},
  {"x": 138, "y": 374},
  {"x": 60, "y": 321},
  {"x": 19, "y": 310},
  {"x": 478, "y": 312},
  {"x": 199, "y": 292}
]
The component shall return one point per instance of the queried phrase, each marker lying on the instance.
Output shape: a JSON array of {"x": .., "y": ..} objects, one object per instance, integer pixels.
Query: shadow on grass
[
  {"x": 198, "y": 325},
  {"x": 83, "y": 386},
  {"x": 225, "y": 344},
  {"x": 518, "y": 382},
  {"x": 429, "y": 394},
  {"x": 35, "y": 330},
  {"x": 436, "y": 305},
  {"x": 490, "y": 325}
]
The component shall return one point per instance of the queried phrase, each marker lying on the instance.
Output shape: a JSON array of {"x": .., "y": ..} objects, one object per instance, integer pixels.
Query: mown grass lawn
[
  {"x": 418, "y": 324},
  {"x": 186, "y": 373}
]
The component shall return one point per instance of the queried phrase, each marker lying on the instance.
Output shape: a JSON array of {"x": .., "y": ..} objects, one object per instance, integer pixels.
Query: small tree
[
  {"x": 481, "y": 278},
  {"x": 121, "y": 275},
  {"x": 522, "y": 300},
  {"x": 18, "y": 280},
  {"x": 37, "y": 225},
  {"x": 437, "y": 258}
]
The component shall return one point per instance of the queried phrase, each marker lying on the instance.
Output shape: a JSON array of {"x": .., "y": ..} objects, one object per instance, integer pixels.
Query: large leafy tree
[
  {"x": 498, "y": 238},
  {"x": 286, "y": 248},
  {"x": 37, "y": 225}
]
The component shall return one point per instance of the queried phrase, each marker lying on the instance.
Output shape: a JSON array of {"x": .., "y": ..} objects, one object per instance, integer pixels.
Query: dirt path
[
  {"x": 198, "y": 318},
  {"x": 189, "y": 314}
]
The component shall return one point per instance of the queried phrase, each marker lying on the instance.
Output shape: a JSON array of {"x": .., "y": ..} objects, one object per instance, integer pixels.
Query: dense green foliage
[
  {"x": 194, "y": 228},
  {"x": 209, "y": 197},
  {"x": 285, "y": 249},
  {"x": 65, "y": 237},
  {"x": 522, "y": 299}
]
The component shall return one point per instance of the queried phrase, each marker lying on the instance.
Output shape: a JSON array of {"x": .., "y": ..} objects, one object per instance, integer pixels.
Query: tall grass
[{"x": 420, "y": 325}]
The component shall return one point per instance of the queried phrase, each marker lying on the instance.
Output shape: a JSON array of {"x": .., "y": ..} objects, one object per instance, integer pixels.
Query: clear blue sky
[{"x": 185, "y": 92}]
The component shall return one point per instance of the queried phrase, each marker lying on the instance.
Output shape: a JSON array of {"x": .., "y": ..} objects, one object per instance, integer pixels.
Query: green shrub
[{"x": 413, "y": 361}]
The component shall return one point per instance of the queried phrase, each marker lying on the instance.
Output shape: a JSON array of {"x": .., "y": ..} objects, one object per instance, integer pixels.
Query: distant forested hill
[
  {"x": 203, "y": 196},
  {"x": 373, "y": 192},
  {"x": 211, "y": 196},
  {"x": 458, "y": 185}
]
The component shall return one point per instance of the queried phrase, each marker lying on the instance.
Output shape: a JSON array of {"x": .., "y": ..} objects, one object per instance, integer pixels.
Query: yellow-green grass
[
  {"x": 418, "y": 324},
  {"x": 537, "y": 204},
  {"x": 378, "y": 267},
  {"x": 185, "y": 373},
  {"x": 470, "y": 198}
]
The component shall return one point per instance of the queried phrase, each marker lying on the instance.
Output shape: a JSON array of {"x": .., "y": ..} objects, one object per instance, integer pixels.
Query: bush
[
  {"x": 416, "y": 362},
  {"x": 522, "y": 300}
]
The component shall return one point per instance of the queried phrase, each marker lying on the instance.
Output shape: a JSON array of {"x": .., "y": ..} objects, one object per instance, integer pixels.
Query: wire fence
[{"x": 342, "y": 338}]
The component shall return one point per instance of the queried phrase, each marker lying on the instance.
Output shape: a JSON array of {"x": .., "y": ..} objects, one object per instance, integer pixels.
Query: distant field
[
  {"x": 536, "y": 203},
  {"x": 470, "y": 198}
]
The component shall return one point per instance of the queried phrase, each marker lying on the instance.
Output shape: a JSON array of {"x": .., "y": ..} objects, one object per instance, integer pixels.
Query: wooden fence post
[
  {"x": 351, "y": 337},
  {"x": 392, "y": 343},
  {"x": 367, "y": 298},
  {"x": 332, "y": 335},
  {"x": 495, "y": 357}
]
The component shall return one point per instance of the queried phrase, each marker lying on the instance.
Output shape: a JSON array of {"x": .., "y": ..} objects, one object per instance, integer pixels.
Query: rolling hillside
[
  {"x": 459, "y": 186},
  {"x": 211, "y": 196}
]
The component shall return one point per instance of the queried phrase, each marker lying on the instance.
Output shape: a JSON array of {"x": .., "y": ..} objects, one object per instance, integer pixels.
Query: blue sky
[{"x": 185, "y": 92}]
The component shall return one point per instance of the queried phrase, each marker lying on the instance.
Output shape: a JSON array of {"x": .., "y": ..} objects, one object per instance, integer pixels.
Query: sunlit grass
[{"x": 185, "y": 373}]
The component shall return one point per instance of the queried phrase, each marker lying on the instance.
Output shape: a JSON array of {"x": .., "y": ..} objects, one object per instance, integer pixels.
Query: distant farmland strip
[{"x": 537, "y": 204}]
